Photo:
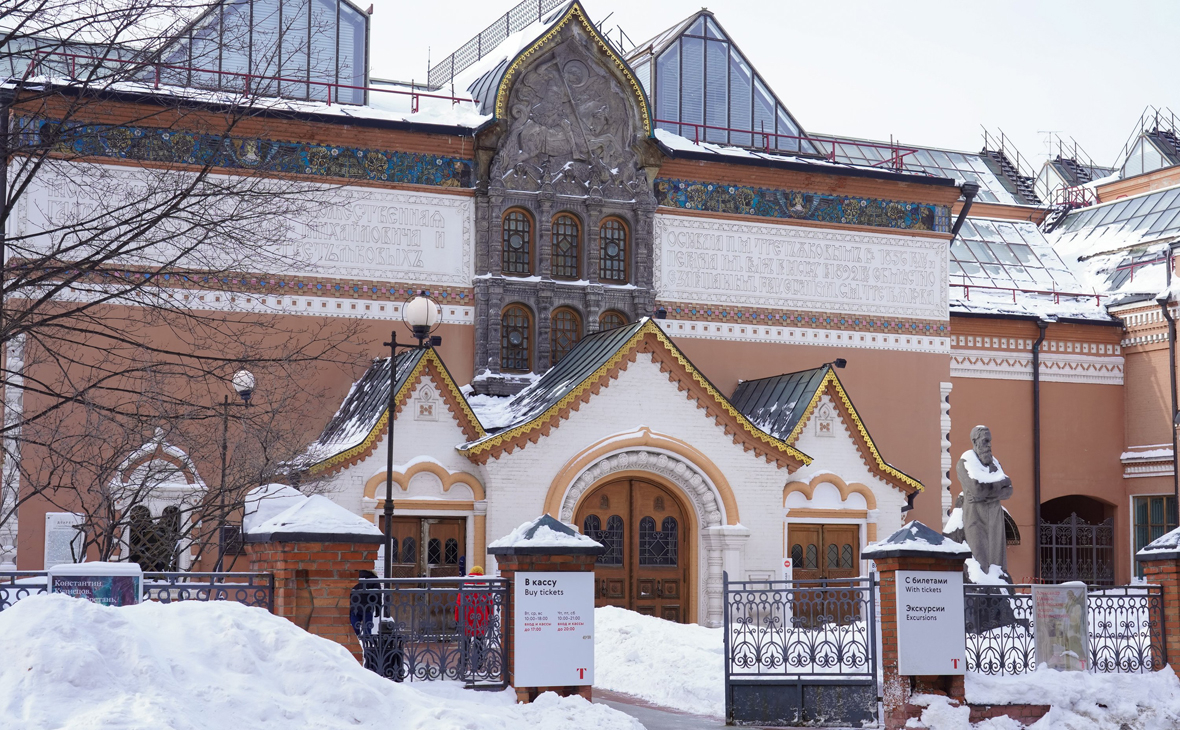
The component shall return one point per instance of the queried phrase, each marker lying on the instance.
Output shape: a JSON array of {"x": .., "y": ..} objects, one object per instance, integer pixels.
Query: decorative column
[
  {"x": 316, "y": 551},
  {"x": 914, "y": 547},
  {"x": 944, "y": 448},
  {"x": 543, "y": 545},
  {"x": 1161, "y": 566},
  {"x": 724, "y": 547}
]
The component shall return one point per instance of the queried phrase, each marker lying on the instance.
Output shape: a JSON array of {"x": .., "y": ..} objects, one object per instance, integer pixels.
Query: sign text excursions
[
  {"x": 727, "y": 262},
  {"x": 930, "y": 622}
]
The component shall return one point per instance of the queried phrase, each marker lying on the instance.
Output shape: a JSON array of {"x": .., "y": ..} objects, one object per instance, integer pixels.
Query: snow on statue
[{"x": 984, "y": 485}]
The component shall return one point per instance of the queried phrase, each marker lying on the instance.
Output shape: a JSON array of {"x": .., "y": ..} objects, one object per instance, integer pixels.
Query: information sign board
[
  {"x": 788, "y": 569},
  {"x": 1060, "y": 629},
  {"x": 63, "y": 539},
  {"x": 107, "y": 584},
  {"x": 554, "y": 627},
  {"x": 931, "y": 631}
]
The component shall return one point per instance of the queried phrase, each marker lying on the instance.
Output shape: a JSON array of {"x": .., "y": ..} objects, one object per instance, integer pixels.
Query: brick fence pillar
[
  {"x": 314, "y": 576},
  {"x": 1161, "y": 566},
  {"x": 519, "y": 557},
  {"x": 913, "y": 547}
]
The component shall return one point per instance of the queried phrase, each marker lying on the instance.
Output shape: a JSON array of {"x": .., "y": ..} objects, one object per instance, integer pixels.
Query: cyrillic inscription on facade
[{"x": 725, "y": 262}]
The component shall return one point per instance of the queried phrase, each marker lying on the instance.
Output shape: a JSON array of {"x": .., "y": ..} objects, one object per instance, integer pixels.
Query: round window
[
  {"x": 515, "y": 338},
  {"x": 612, "y": 249},
  {"x": 516, "y": 241}
]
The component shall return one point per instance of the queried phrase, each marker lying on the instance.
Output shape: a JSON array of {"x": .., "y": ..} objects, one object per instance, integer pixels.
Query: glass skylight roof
[
  {"x": 943, "y": 163},
  {"x": 1007, "y": 255},
  {"x": 1123, "y": 223},
  {"x": 700, "y": 79}
]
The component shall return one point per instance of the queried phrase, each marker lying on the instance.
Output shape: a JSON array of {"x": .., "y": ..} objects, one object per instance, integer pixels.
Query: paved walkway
[{"x": 654, "y": 717}]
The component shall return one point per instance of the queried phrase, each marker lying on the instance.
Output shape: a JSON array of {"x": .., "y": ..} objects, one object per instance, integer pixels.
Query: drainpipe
[
  {"x": 1163, "y": 301},
  {"x": 1043, "y": 326},
  {"x": 969, "y": 190}
]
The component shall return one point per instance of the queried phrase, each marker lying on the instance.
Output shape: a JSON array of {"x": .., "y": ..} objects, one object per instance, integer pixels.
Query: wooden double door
[
  {"x": 824, "y": 552},
  {"x": 428, "y": 546},
  {"x": 644, "y": 529}
]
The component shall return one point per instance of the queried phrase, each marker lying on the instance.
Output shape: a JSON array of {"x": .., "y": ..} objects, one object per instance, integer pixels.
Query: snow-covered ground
[
  {"x": 68, "y": 663},
  {"x": 1080, "y": 701},
  {"x": 674, "y": 665}
]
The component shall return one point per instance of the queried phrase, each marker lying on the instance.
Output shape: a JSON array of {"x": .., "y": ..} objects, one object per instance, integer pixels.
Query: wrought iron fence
[
  {"x": 800, "y": 651},
  {"x": 1125, "y": 626},
  {"x": 422, "y": 629},
  {"x": 251, "y": 589}
]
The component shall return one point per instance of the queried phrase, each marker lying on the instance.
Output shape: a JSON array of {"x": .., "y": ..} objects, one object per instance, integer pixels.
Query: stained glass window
[
  {"x": 565, "y": 329},
  {"x": 515, "y": 342},
  {"x": 611, "y": 320},
  {"x": 517, "y": 244},
  {"x": 612, "y": 245},
  {"x": 658, "y": 547},
  {"x": 566, "y": 235}
]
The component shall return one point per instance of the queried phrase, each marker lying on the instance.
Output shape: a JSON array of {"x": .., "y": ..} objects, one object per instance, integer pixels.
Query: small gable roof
[
  {"x": 362, "y": 418},
  {"x": 781, "y": 405},
  {"x": 589, "y": 367}
]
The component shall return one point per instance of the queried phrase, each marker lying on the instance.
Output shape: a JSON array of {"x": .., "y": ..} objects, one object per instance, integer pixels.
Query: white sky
[{"x": 926, "y": 71}]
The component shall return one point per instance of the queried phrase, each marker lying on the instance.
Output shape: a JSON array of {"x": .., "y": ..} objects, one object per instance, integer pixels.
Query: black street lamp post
[
  {"x": 422, "y": 314},
  {"x": 243, "y": 382}
]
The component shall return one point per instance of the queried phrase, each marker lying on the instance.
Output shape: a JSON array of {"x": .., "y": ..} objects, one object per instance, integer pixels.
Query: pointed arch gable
[
  {"x": 576, "y": 16},
  {"x": 832, "y": 386},
  {"x": 429, "y": 366}
]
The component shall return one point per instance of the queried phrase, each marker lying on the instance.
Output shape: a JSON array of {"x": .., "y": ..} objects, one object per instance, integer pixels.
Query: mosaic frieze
[
  {"x": 149, "y": 144},
  {"x": 797, "y": 318},
  {"x": 796, "y": 205}
]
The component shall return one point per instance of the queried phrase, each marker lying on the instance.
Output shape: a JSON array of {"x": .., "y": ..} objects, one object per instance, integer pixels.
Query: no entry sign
[
  {"x": 931, "y": 636},
  {"x": 554, "y": 626}
]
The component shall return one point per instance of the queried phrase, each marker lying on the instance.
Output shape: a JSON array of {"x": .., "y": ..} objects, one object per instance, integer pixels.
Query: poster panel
[
  {"x": 63, "y": 539},
  {"x": 107, "y": 584},
  {"x": 1060, "y": 630},
  {"x": 931, "y": 628},
  {"x": 554, "y": 627}
]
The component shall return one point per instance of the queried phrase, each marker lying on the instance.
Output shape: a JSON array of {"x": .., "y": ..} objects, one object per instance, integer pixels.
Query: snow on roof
[
  {"x": 545, "y": 532},
  {"x": 915, "y": 537},
  {"x": 268, "y": 501},
  {"x": 315, "y": 515},
  {"x": 1167, "y": 543}
]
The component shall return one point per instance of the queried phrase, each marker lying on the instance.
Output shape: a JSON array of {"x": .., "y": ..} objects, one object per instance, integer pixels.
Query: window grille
[
  {"x": 409, "y": 550},
  {"x": 566, "y": 235},
  {"x": 613, "y": 252},
  {"x": 451, "y": 551},
  {"x": 434, "y": 551},
  {"x": 611, "y": 321},
  {"x": 657, "y": 547},
  {"x": 565, "y": 330},
  {"x": 514, "y": 340},
  {"x": 517, "y": 244},
  {"x": 611, "y": 538}
]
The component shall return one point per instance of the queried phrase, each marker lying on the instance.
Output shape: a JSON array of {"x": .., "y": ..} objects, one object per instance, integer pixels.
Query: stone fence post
[
  {"x": 1161, "y": 566},
  {"x": 526, "y": 551},
  {"x": 316, "y": 551},
  {"x": 913, "y": 547}
]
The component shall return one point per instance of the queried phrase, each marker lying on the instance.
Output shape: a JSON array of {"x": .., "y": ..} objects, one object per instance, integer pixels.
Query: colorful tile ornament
[
  {"x": 796, "y": 205},
  {"x": 178, "y": 146}
]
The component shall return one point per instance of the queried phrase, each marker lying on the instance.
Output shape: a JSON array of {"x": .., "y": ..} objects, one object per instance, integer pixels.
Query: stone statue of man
[{"x": 984, "y": 485}]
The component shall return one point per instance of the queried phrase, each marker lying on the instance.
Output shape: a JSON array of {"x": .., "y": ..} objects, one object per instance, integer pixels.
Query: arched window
[
  {"x": 565, "y": 329},
  {"x": 611, "y": 321},
  {"x": 409, "y": 550},
  {"x": 658, "y": 547},
  {"x": 611, "y": 537},
  {"x": 434, "y": 551},
  {"x": 612, "y": 246},
  {"x": 566, "y": 247},
  {"x": 515, "y": 339},
  {"x": 517, "y": 249},
  {"x": 451, "y": 551}
]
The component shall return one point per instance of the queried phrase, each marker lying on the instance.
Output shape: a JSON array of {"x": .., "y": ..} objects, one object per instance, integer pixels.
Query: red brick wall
[{"x": 313, "y": 583}]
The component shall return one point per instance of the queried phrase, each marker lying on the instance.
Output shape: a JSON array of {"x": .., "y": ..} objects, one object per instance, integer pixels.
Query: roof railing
[
  {"x": 250, "y": 83},
  {"x": 1004, "y": 146},
  {"x": 524, "y": 14},
  {"x": 1152, "y": 119},
  {"x": 895, "y": 160},
  {"x": 1018, "y": 290}
]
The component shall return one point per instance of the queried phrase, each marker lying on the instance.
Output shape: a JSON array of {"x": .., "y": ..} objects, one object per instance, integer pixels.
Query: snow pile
[
  {"x": 915, "y": 537},
  {"x": 674, "y": 665},
  {"x": 954, "y": 521},
  {"x": 1080, "y": 701},
  {"x": 316, "y": 514},
  {"x": 195, "y": 665},
  {"x": 267, "y": 501},
  {"x": 493, "y": 411},
  {"x": 545, "y": 532},
  {"x": 980, "y": 473},
  {"x": 993, "y": 577}
]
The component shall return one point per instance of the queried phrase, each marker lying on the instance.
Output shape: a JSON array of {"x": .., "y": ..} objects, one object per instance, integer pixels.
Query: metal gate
[
  {"x": 801, "y": 652},
  {"x": 1076, "y": 550}
]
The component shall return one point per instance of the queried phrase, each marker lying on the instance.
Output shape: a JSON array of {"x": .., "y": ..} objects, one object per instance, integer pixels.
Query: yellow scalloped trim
[
  {"x": 610, "y": 365},
  {"x": 574, "y": 11},
  {"x": 830, "y": 378},
  {"x": 379, "y": 428}
]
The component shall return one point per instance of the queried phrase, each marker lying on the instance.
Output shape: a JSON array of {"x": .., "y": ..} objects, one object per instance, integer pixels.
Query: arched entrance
[{"x": 645, "y": 530}]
